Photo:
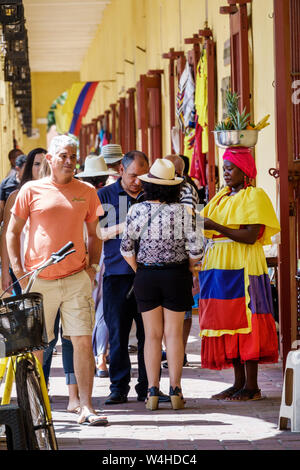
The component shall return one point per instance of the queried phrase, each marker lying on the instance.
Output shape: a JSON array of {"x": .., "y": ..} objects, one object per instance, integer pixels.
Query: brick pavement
[{"x": 204, "y": 424}]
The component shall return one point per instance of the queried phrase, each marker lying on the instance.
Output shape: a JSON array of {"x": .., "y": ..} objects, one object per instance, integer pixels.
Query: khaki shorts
[{"x": 73, "y": 296}]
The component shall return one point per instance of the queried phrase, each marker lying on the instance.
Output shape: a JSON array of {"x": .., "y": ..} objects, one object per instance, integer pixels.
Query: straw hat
[
  {"x": 95, "y": 165},
  {"x": 112, "y": 153},
  {"x": 162, "y": 172}
]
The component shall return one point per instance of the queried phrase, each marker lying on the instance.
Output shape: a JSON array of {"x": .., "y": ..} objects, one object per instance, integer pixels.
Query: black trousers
[{"x": 119, "y": 313}]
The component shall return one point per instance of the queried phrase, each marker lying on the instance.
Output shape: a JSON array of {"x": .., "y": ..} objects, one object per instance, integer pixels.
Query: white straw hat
[
  {"x": 112, "y": 153},
  {"x": 95, "y": 165},
  {"x": 162, "y": 172}
]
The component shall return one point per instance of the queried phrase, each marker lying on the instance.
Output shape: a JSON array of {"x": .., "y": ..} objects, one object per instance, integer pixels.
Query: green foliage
[
  {"x": 235, "y": 119},
  {"x": 240, "y": 120}
]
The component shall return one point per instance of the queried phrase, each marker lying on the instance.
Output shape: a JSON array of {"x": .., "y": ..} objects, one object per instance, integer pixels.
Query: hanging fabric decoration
[
  {"x": 201, "y": 98},
  {"x": 189, "y": 141},
  {"x": 185, "y": 98},
  {"x": 198, "y": 165},
  {"x": 175, "y": 139}
]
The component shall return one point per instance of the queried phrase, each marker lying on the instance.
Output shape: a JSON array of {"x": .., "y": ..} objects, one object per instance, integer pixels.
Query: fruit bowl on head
[{"x": 236, "y": 138}]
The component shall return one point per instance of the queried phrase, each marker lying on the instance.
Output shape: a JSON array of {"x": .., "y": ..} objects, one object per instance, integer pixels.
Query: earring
[{"x": 246, "y": 182}]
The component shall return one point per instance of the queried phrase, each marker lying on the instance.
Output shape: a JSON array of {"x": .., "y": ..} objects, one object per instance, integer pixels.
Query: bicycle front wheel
[{"x": 39, "y": 427}]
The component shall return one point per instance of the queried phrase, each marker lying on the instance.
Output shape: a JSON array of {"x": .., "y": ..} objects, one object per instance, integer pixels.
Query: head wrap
[{"x": 243, "y": 159}]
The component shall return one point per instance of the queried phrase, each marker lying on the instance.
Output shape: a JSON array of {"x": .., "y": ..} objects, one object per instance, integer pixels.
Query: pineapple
[
  {"x": 235, "y": 120},
  {"x": 240, "y": 120},
  {"x": 232, "y": 103},
  {"x": 224, "y": 126}
]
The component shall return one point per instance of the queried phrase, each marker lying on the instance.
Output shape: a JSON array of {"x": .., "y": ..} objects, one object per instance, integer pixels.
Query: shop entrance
[{"x": 287, "y": 95}]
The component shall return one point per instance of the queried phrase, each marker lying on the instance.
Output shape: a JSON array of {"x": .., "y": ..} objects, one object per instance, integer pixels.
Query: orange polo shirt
[{"x": 56, "y": 214}]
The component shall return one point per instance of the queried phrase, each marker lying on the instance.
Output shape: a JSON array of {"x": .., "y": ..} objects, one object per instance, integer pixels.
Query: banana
[
  {"x": 264, "y": 125},
  {"x": 262, "y": 122}
]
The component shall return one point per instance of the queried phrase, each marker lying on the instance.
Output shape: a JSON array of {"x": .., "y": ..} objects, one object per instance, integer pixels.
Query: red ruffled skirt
[{"x": 260, "y": 345}]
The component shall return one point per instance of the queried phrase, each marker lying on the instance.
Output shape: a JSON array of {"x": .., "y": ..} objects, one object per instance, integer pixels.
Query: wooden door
[
  {"x": 205, "y": 37},
  {"x": 149, "y": 114},
  {"x": 287, "y": 71},
  {"x": 239, "y": 50},
  {"x": 122, "y": 123},
  {"x": 130, "y": 121},
  {"x": 113, "y": 123},
  {"x": 172, "y": 55}
]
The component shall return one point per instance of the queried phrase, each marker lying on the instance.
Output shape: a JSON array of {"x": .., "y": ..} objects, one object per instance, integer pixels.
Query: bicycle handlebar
[
  {"x": 64, "y": 249},
  {"x": 54, "y": 259}
]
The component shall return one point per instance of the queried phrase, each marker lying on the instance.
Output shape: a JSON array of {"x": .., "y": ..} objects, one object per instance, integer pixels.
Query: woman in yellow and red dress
[{"x": 237, "y": 326}]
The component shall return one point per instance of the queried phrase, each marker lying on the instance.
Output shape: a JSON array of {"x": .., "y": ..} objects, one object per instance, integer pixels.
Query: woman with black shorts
[{"x": 161, "y": 244}]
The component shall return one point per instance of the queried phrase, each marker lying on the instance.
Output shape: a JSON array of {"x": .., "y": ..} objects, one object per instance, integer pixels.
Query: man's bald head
[{"x": 177, "y": 162}]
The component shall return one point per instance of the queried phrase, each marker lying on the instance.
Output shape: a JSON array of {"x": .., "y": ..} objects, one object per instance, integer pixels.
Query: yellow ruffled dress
[{"x": 235, "y": 301}]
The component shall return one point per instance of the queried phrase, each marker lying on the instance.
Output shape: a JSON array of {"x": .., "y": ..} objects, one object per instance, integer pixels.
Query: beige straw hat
[
  {"x": 162, "y": 172},
  {"x": 95, "y": 165}
]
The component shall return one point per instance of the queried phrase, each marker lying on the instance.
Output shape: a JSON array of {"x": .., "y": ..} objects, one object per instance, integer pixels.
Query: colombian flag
[{"x": 69, "y": 116}]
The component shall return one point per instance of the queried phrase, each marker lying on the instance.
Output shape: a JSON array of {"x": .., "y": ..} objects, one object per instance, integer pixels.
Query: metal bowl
[{"x": 235, "y": 138}]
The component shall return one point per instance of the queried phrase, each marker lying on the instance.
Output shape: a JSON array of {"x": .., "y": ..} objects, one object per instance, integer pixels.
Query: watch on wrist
[{"x": 96, "y": 267}]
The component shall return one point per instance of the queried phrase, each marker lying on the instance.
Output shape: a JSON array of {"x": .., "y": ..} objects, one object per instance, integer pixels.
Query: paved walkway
[{"x": 204, "y": 424}]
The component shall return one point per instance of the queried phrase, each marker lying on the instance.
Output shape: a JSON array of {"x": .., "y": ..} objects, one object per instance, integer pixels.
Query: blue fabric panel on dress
[{"x": 222, "y": 284}]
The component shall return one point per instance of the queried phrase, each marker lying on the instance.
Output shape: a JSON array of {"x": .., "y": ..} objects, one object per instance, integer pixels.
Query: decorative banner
[
  {"x": 69, "y": 116},
  {"x": 82, "y": 105}
]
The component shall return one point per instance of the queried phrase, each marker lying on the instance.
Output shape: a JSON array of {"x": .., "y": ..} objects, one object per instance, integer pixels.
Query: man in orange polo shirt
[{"x": 56, "y": 208}]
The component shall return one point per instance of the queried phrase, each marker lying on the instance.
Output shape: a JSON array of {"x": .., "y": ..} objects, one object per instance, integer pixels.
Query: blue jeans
[
  {"x": 100, "y": 333},
  {"x": 67, "y": 355},
  {"x": 119, "y": 313}
]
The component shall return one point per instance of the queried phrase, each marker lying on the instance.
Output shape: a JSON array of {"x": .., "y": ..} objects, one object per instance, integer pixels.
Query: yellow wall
[
  {"x": 156, "y": 26},
  {"x": 46, "y": 87},
  {"x": 264, "y": 92},
  {"x": 9, "y": 126}
]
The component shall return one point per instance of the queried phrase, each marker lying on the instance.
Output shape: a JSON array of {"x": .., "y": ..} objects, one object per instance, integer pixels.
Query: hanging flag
[
  {"x": 82, "y": 105},
  {"x": 69, "y": 116}
]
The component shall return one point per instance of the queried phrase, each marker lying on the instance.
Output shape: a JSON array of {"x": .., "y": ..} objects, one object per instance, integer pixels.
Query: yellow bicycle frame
[{"x": 7, "y": 365}]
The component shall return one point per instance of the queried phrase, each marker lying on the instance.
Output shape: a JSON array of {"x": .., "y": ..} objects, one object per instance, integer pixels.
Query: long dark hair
[{"x": 27, "y": 175}]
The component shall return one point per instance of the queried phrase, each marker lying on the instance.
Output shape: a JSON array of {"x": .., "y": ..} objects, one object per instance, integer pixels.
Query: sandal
[
  {"x": 246, "y": 395},
  {"x": 97, "y": 421},
  {"x": 229, "y": 392},
  {"x": 152, "y": 398},
  {"x": 177, "y": 399}
]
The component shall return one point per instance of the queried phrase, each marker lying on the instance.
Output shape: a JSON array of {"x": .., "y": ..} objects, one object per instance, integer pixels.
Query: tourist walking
[
  {"x": 97, "y": 173},
  {"x": 61, "y": 201},
  {"x": 161, "y": 245},
  {"x": 120, "y": 309}
]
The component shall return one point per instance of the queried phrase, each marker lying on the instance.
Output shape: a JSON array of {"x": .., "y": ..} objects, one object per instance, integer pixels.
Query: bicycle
[{"x": 22, "y": 330}]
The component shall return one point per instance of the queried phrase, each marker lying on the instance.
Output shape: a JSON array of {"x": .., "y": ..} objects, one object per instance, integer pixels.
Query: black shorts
[{"x": 169, "y": 287}]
